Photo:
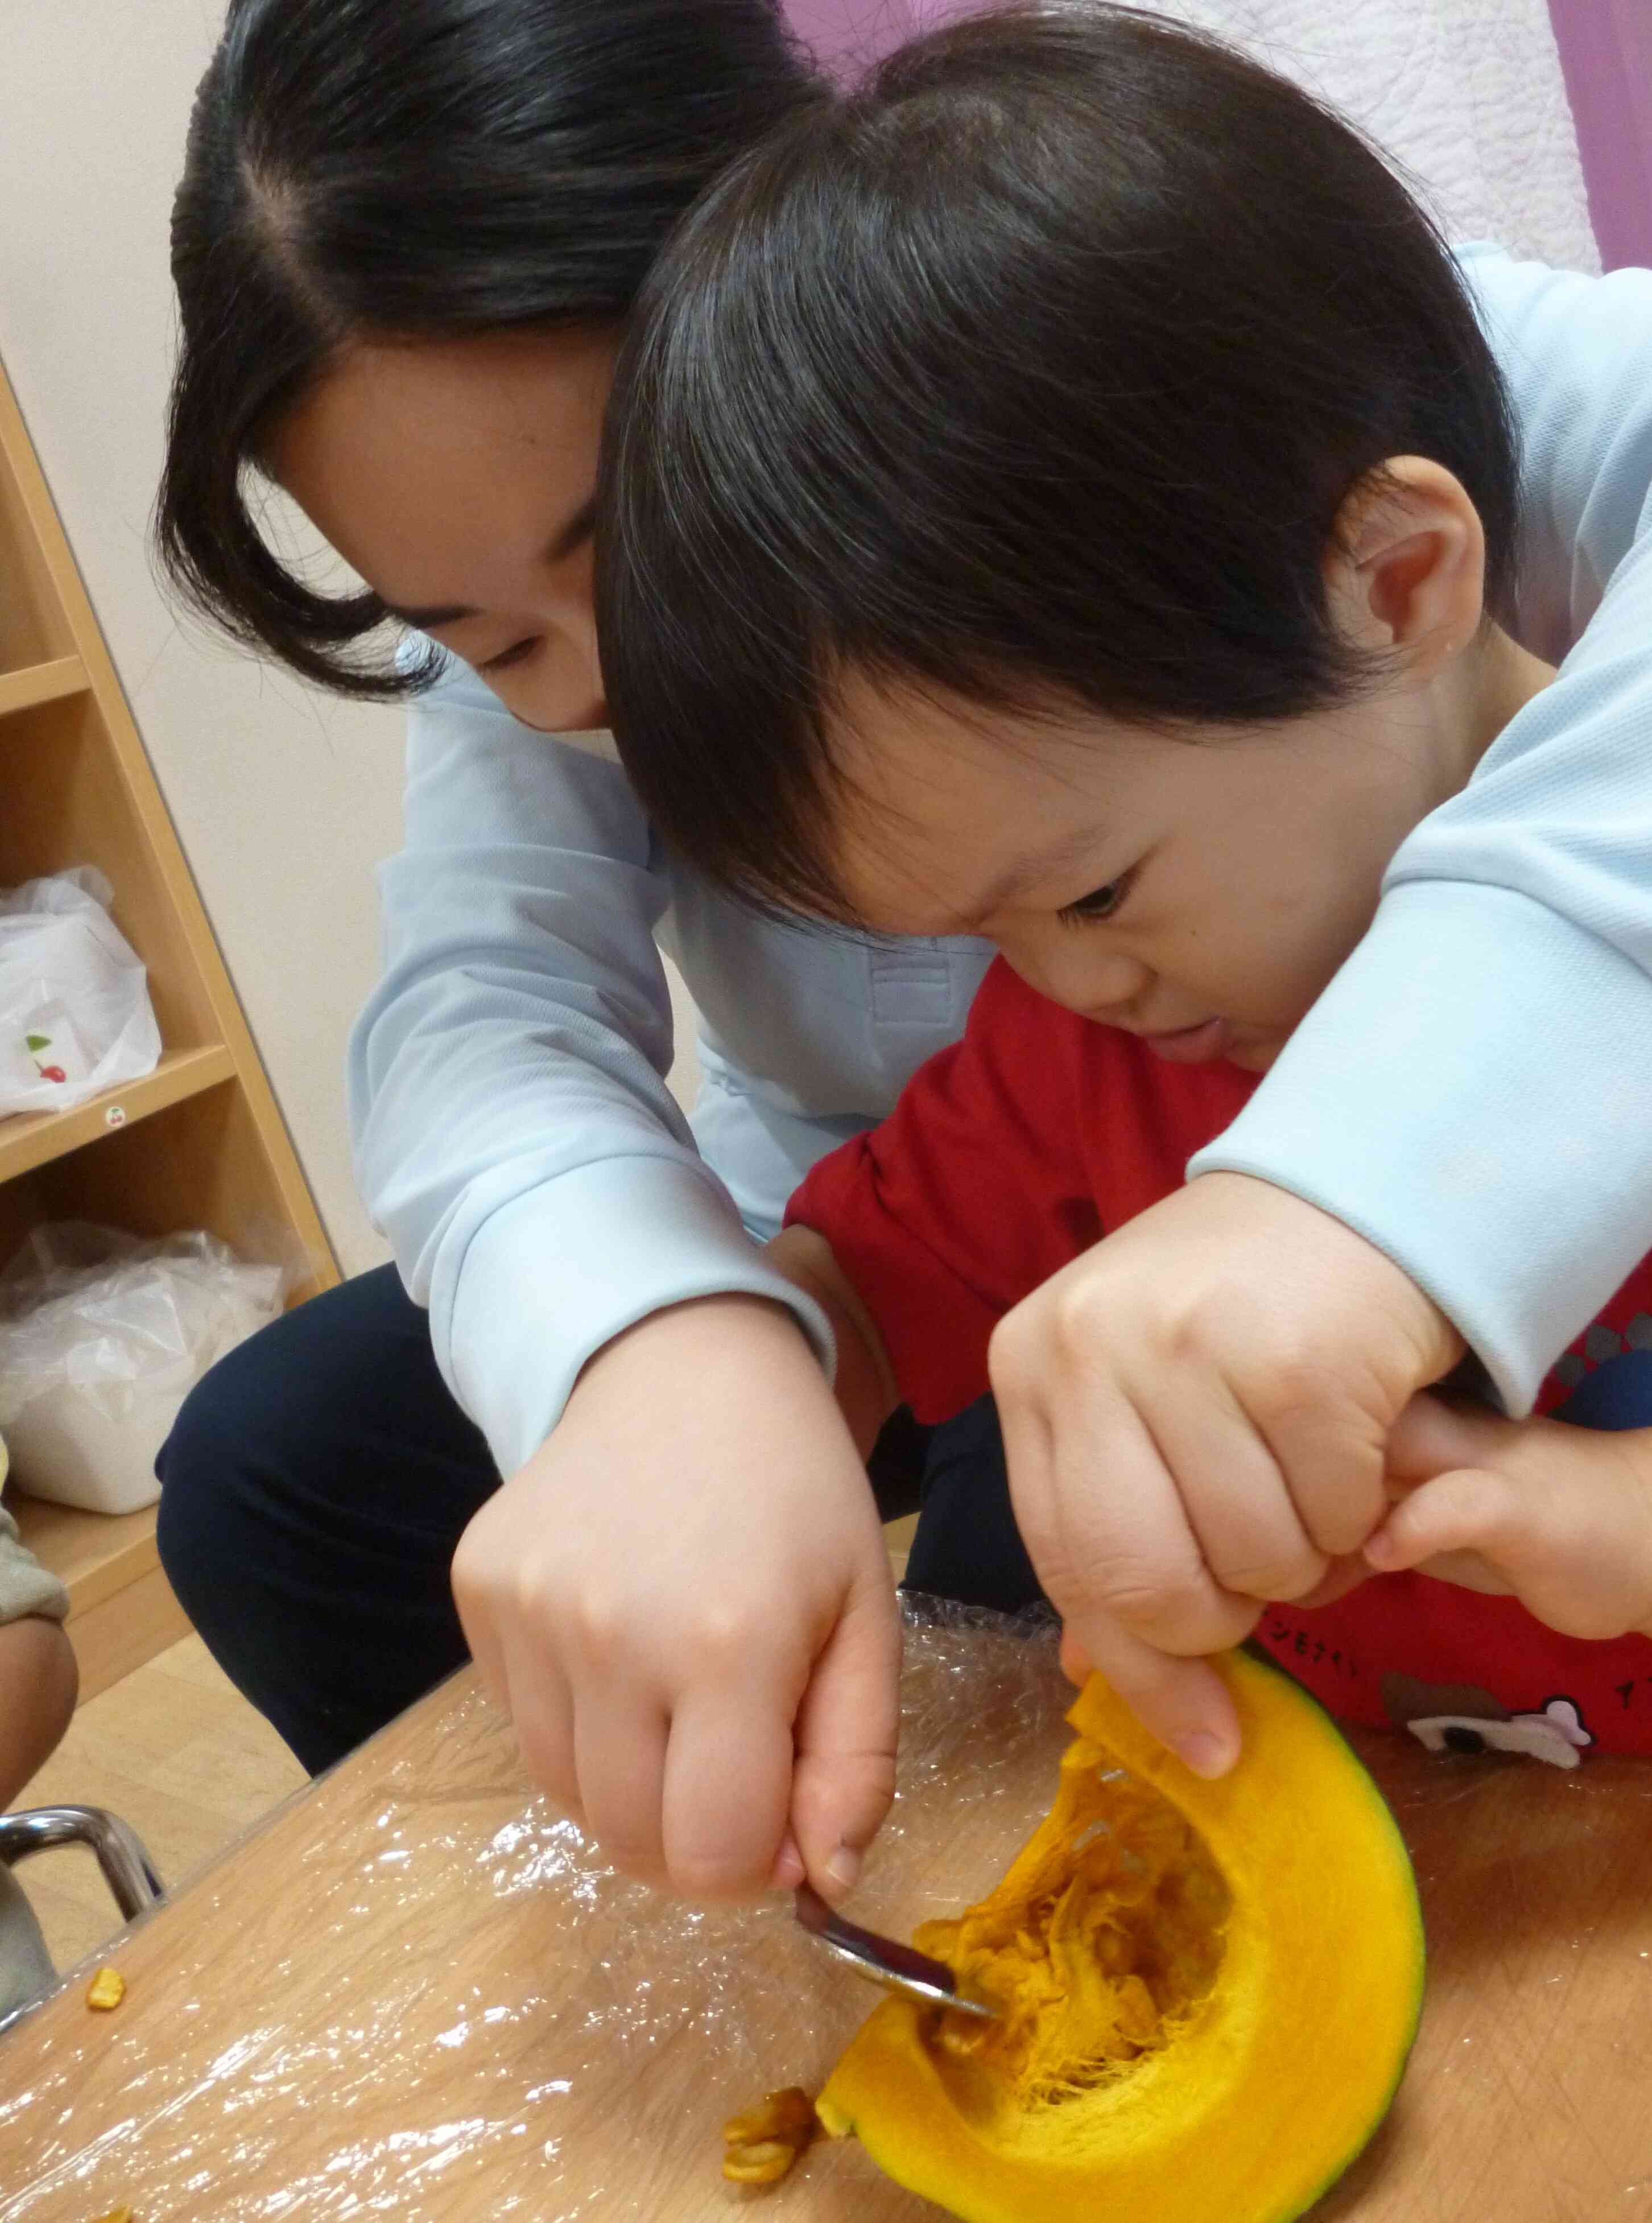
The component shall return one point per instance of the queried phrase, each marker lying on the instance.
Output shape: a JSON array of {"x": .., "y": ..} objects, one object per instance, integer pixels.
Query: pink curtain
[
  {"x": 846, "y": 32},
  {"x": 1607, "y": 53},
  {"x": 1605, "y": 49}
]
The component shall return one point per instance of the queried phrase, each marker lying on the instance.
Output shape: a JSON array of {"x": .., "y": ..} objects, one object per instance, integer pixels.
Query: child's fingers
[
  {"x": 1567, "y": 1529},
  {"x": 843, "y": 1778},
  {"x": 727, "y": 1780},
  {"x": 1124, "y": 1553},
  {"x": 534, "y": 1693},
  {"x": 789, "y": 1869},
  {"x": 619, "y": 1745},
  {"x": 1183, "y": 1703},
  {"x": 1089, "y": 1553},
  {"x": 1232, "y": 1492},
  {"x": 1459, "y": 1524},
  {"x": 1341, "y": 1576}
]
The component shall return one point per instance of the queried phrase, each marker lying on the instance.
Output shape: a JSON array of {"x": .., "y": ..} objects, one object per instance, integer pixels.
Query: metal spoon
[{"x": 883, "y": 1961}]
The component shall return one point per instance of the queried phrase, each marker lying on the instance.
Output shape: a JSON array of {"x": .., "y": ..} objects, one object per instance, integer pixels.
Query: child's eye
[
  {"x": 516, "y": 653},
  {"x": 1100, "y": 903}
]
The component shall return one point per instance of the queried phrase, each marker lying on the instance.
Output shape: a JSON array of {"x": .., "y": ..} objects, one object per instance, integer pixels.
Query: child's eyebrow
[{"x": 1027, "y": 871}]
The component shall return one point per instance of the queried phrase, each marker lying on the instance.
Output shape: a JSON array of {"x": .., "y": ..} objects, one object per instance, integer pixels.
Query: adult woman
[{"x": 407, "y": 235}]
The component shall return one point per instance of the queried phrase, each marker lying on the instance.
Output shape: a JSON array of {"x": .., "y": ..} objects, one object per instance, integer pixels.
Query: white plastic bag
[
  {"x": 101, "y": 1338},
  {"x": 75, "y": 1015}
]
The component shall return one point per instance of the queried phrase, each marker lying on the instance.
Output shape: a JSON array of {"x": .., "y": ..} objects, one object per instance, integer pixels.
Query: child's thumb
[
  {"x": 1457, "y": 1523},
  {"x": 843, "y": 1779}
]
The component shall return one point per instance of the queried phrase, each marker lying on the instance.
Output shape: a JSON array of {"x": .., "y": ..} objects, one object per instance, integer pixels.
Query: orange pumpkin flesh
[{"x": 1209, "y": 1989}]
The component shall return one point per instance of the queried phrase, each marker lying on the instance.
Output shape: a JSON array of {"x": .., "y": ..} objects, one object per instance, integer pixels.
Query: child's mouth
[{"x": 1191, "y": 1045}]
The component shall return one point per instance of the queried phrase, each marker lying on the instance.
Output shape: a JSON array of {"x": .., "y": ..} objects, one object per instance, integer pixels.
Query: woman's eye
[
  {"x": 517, "y": 654},
  {"x": 1100, "y": 903}
]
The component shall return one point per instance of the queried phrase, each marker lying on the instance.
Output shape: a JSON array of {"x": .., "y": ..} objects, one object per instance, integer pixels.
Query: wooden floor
[{"x": 175, "y": 1750}]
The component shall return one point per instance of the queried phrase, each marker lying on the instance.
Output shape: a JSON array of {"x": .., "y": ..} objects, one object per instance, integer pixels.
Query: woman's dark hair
[
  {"x": 1034, "y": 372},
  {"x": 410, "y": 169}
]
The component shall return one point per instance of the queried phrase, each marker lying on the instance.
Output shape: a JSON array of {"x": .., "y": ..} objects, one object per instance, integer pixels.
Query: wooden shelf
[
  {"x": 35, "y": 1139},
  {"x": 42, "y": 683},
  {"x": 122, "y": 1610},
  {"x": 199, "y": 1143}
]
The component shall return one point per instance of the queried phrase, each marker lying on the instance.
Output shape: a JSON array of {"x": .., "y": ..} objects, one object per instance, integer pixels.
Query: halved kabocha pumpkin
[{"x": 1208, "y": 1990}]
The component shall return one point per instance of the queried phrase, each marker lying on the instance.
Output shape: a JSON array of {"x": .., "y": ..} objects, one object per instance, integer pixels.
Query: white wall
[{"x": 283, "y": 797}]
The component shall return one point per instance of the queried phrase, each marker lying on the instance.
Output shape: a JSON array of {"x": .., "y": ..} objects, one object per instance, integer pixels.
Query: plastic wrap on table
[
  {"x": 452, "y": 2007},
  {"x": 420, "y": 1993}
]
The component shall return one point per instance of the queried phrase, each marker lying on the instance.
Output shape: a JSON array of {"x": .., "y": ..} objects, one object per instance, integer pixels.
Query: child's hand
[
  {"x": 1196, "y": 1415},
  {"x": 1559, "y": 1517},
  {"x": 685, "y": 1601}
]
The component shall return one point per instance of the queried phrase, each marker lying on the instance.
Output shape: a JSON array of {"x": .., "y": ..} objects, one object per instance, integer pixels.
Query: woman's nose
[{"x": 560, "y": 691}]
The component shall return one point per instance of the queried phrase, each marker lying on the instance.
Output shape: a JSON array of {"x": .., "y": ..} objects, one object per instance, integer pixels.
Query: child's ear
[{"x": 1407, "y": 564}]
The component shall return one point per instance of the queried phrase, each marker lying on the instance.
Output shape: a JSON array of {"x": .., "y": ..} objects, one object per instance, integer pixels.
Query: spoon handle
[{"x": 885, "y": 1959}]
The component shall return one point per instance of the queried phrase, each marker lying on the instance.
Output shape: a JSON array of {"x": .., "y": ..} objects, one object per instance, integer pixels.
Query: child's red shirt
[{"x": 1015, "y": 1150}]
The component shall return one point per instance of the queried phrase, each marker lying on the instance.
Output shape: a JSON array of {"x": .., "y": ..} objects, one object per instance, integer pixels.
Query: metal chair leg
[{"x": 127, "y": 1869}]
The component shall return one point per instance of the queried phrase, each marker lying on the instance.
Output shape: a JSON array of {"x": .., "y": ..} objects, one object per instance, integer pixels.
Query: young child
[
  {"x": 1010, "y": 1152},
  {"x": 1062, "y": 494},
  {"x": 38, "y": 1686}
]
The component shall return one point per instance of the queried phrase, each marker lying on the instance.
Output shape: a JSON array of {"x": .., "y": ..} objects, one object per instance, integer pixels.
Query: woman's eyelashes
[
  {"x": 518, "y": 652},
  {"x": 1101, "y": 902}
]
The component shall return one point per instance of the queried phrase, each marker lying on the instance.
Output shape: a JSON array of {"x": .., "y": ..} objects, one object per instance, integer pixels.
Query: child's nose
[{"x": 1103, "y": 984}]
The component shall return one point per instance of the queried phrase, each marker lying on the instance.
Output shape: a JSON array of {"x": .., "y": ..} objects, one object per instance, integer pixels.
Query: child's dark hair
[
  {"x": 1034, "y": 372},
  {"x": 410, "y": 169}
]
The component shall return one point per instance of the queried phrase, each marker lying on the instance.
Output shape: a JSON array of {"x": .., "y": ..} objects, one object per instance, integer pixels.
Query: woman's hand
[
  {"x": 1196, "y": 1415},
  {"x": 685, "y": 1602}
]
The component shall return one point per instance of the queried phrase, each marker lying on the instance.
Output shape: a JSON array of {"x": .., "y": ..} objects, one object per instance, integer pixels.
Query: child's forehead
[{"x": 956, "y": 811}]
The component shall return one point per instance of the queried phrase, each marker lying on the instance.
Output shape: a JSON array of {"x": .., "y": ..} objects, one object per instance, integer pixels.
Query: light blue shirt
[{"x": 1474, "y": 1092}]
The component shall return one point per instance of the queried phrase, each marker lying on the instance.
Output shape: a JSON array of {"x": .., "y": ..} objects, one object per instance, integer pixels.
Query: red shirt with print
[{"x": 1016, "y": 1148}]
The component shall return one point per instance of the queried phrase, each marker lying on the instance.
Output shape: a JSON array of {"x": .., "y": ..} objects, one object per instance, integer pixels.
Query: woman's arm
[
  {"x": 1473, "y": 1093},
  {"x": 514, "y": 1136}
]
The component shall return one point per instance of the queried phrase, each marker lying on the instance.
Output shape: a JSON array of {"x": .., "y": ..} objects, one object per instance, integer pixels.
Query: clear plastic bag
[
  {"x": 75, "y": 1015},
  {"x": 101, "y": 1337}
]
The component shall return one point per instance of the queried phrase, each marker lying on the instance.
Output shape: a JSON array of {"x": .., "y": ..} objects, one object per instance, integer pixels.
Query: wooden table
[{"x": 414, "y": 1993}]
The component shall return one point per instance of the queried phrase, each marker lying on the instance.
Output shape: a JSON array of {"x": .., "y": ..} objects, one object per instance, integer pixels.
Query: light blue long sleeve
[
  {"x": 1474, "y": 1092},
  {"x": 514, "y": 1136},
  {"x": 1469, "y": 1092}
]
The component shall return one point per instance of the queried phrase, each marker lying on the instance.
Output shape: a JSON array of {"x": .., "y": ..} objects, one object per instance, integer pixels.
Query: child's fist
[{"x": 1196, "y": 1415}]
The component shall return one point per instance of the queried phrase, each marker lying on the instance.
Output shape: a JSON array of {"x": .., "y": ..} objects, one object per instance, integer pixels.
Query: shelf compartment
[
  {"x": 79, "y": 791},
  {"x": 68, "y": 802},
  {"x": 42, "y": 683},
  {"x": 197, "y": 1162},
  {"x": 36, "y": 1139}
]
